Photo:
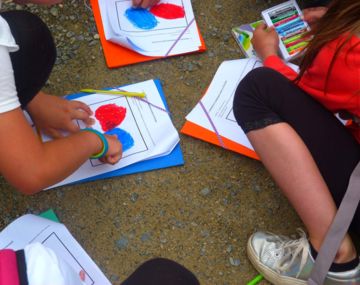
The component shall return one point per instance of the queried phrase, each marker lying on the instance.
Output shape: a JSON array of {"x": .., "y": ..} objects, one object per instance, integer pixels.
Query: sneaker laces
[{"x": 289, "y": 250}]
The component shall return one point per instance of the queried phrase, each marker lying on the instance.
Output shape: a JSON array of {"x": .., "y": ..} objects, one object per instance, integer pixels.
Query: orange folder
[
  {"x": 116, "y": 55},
  {"x": 201, "y": 133}
]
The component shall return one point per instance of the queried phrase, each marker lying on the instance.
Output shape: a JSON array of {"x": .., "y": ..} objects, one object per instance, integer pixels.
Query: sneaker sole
[{"x": 270, "y": 275}]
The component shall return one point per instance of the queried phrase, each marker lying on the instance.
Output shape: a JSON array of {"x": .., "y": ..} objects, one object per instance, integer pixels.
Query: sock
[{"x": 337, "y": 267}]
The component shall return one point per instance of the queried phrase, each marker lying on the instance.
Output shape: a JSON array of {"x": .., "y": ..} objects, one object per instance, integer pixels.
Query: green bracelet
[{"x": 105, "y": 147}]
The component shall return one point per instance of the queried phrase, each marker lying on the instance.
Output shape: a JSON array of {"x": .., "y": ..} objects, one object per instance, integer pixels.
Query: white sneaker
[{"x": 284, "y": 261}]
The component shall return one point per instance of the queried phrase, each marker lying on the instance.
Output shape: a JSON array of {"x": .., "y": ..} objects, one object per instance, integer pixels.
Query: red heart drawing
[
  {"x": 110, "y": 116},
  {"x": 168, "y": 11}
]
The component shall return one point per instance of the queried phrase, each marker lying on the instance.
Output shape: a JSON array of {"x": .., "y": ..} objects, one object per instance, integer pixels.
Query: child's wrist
[
  {"x": 267, "y": 53},
  {"x": 105, "y": 145}
]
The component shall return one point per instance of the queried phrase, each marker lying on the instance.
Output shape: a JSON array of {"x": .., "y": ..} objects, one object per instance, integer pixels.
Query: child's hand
[
  {"x": 265, "y": 41},
  {"x": 53, "y": 114},
  {"x": 144, "y": 3},
  {"x": 312, "y": 15},
  {"x": 114, "y": 153}
]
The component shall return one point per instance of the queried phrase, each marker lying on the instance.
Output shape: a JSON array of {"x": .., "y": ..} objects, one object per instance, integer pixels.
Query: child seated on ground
[
  {"x": 27, "y": 56},
  {"x": 289, "y": 119}
]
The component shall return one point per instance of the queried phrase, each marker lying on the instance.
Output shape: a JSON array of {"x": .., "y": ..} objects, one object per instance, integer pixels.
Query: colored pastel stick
[
  {"x": 292, "y": 34},
  {"x": 290, "y": 31},
  {"x": 256, "y": 280},
  {"x": 301, "y": 44},
  {"x": 277, "y": 13},
  {"x": 284, "y": 16},
  {"x": 296, "y": 25},
  {"x": 285, "y": 20},
  {"x": 291, "y": 39},
  {"x": 297, "y": 50},
  {"x": 289, "y": 24},
  {"x": 115, "y": 92},
  {"x": 291, "y": 44}
]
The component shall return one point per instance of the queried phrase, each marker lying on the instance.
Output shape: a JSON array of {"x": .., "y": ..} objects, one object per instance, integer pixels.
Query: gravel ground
[{"x": 200, "y": 214}]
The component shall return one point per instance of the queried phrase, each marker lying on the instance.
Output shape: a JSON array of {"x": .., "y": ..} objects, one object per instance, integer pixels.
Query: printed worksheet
[
  {"x": 168, "y": 28},
  {"x": 214, "y": 111},
  {"x": 143, "y": 126},
  {"x": 218, "y": 101},
  {"x": 31, "y": 229}
]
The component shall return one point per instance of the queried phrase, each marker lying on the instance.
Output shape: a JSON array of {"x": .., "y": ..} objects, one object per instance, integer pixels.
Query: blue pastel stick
[
  {"x": 290, "y": 27},
  {"x": 290, "y": 23},
  {"x": 297, "y": 28}
]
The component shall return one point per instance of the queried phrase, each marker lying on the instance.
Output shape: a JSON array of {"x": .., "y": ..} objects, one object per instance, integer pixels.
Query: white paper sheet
[
  {"x": 147, "y": 121},
  {"x": 218, "y": 100},
  {"x": 30, "y": 229},
  {"x": 168, "y": 37}
]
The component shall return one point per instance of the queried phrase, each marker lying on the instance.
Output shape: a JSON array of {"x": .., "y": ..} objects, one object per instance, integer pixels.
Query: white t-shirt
[
  {"x": 45, "y": 268},
  {"x": 8, "y": 95}
]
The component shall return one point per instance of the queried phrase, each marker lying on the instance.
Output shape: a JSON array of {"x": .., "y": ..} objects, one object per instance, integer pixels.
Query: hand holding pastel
[
  {"x": 265, "y": 41},
  {"x": 114, "y": 152}
]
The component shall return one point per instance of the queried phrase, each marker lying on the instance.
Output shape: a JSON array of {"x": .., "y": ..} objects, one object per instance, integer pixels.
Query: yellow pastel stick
[{"x": 115, "y": 92}]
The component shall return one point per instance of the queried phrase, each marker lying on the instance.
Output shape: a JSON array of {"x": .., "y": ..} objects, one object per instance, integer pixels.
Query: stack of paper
[
  {"x": 212, "y": 119},
  {"x": 143, "y": 125},
  {"x": 31, "y": 229},
  {"x": 130, "y": 35}
]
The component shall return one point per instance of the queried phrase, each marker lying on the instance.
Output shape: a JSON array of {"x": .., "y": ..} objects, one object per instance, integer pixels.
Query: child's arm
[
  {"x": 266, "y": 42},
  {"x": 30, "y": 165},
  {"x": 27, "y": 163},
  {"x": 52, "y": 114},
  {"x": 278, "y": 64}
]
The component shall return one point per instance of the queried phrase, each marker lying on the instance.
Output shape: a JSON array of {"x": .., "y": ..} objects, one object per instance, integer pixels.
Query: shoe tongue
[
  {"x": 295, "y": 270},
  {"x": 288, "y": 255},
  {"x": 305, "y": 272}
]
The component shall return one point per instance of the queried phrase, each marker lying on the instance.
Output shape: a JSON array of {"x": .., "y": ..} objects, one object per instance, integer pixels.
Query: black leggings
[
  {"x": 33, "y": 62},
  {"x": 266, "y": 97},
  {"x": 161, "y": 271}
]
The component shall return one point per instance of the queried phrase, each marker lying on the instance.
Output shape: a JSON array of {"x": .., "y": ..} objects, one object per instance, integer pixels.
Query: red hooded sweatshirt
[{"x": 343, "y": 85}]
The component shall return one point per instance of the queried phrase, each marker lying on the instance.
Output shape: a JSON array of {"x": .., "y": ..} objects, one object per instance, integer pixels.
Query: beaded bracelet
[{"x": 105, "y": 145}]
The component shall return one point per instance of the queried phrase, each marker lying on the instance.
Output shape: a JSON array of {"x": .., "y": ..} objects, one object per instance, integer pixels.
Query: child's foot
[{"x": 284, "y": 261}]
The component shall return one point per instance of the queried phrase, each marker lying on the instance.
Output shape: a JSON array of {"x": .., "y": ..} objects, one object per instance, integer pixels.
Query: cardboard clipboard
[
  {"x": 204, "y": 134},
  {"x": 175, "y": 158},
  {"x": 116, "y": 55},
  {"x": 212, "y": 134}
]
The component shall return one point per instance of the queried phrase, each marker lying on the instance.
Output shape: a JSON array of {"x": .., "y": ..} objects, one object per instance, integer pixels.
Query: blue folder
[{"x": 175, "y": 158}]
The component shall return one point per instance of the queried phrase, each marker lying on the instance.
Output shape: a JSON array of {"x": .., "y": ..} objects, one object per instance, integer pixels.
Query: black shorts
[{"x": 33, "y": 62}]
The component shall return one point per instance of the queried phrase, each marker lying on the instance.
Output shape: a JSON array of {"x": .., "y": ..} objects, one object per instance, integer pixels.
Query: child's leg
[
  {"x": 33, "y": 62},
  {"x": 304, "y": 147},
  {"x": 161, "y": 271}
]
